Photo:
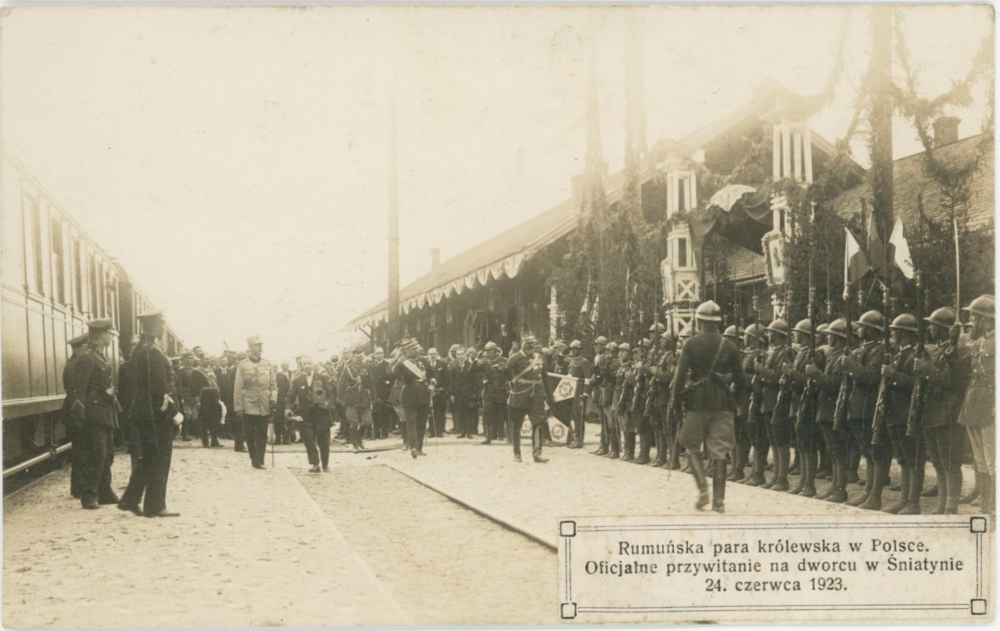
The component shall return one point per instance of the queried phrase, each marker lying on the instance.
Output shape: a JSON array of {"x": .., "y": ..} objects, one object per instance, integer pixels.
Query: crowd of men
[{"x": 832, "y": 394}]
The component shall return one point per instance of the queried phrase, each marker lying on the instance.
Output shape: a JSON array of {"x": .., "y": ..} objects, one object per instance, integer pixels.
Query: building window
[
  {"x": 682, "y": 199},
  {"x": 36, "y": 244},
  {"x": 58, "y": 260}
]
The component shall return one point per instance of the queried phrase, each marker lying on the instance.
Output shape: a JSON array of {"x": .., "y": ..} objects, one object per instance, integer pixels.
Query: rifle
[
  {"x": 784, "y": 384},
  {"x": 807, "y": 406},
  {"x": 879, "y": 428},
  {"x": 756, "y": 387},
  {"x": 846, "y": 383},
  {"x": 915, "y": 416}
]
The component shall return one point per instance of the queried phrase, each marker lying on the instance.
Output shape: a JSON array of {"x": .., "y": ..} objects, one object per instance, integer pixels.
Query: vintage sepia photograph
[{"x": 497, "y": 315}]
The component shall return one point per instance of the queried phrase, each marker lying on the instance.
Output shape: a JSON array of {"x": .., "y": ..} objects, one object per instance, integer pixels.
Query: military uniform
[
  {"x": 943, "y": 434},
  {"x": 756, "y": 421},
  {"x": 311, "y": 397},
  {"x": 623, "y": 395},
  {"x": 643, "y": 425},
  {"x": 908, "y": 450},
  {"x": 77, "y": 344},
  {"x": 415, "y": 399},
  {"x": 828, "y": 385},
  {"x": 662, "y": 373},
  {"x": 775, "y": 413},
  {"x": 496, "y": 389},
  {"x": 356, "y": 392},
  {"x": 978, "y": 414},
  {"x": 255, "y": 396},
  {"x": 381, "y": 409},
  {"x": 528, "y": 396},
  {"x": 581, "y": 368},
  {"x": 205, "y": 390},
  {"x": 865, "y": 376},
  {"x": 802, "y": 409},
  {"x": 606, "y": 367}
]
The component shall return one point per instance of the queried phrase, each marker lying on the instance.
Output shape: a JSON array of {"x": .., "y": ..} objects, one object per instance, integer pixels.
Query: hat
[
  {"x": 254, "y": 339},
  {"x": 624, "y": 346},
  {"x": 984, "y": 305},
  {"x": 709, "y": 312},
  {"x": 658, "y": 327},
  {"x": 152, "y": 314},
  {"x": 359, "y": 349},
  {"x": 197, "y": 351},
  {"x": 601, "y": 341},
  {"x": 102, "y": 325},
  {"x": 529, "y": 339},
  {"x": 612, "y": 346},
  {"x": 490, "y": 346},
  {"x": 79, "y": 340}
]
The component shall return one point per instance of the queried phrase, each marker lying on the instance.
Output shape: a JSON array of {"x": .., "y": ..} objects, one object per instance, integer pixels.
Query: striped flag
[
  {"x": 900, "y": 250},
  {"x": 855, "y": 263}
]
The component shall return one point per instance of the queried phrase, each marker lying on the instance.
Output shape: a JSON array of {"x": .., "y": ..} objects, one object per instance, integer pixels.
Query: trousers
[
  {"x": 416, "y": 425},
  {"x": 945, "y": 446},
  {"x": 256, "y": 430},
  {"x": 316, "y": 434},
  {"x": 97, "y": 453},
  {"x": 209, "y": 427},
  {"x": 151, "y": 469},
  {"x": 494, "y": 419},
  {"x": 983, "y": 440},
  {"x": 515, "y": 418},
  {"x": 440, "y": 407}
]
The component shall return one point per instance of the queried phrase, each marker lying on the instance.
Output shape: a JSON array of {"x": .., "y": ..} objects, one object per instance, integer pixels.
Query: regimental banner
[{"x": 864, "y": 568}]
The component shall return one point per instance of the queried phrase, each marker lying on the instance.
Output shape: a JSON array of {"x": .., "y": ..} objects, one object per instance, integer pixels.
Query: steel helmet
[
  {"x": 646, "y": 343},
  {"x": 685, "y": 332},
  {"x": 491, "y": 346},
  {"x": 668, "y": 337},
  {"x": 944, "y": 317},
  {"x": 778, "y": 326},
  {"x": 576, "y": 344},
  {"x": 984, "y": 305},
  {"x": 755, "y": 330},
  {"x": 872, "y": 319},
  {"x": 731, "y": 332},
  {"x": 709, "y": 312},
  {"x": 804, "y": 326},
  {"x": 612, "y": 347},
  {"x": 624, "y": 346},
  {"x": 838, "y": 327},
  {"x": 658, "y": 327},
  {"x": 905, "y": 322},
  {"x": 601, "y": 341}
]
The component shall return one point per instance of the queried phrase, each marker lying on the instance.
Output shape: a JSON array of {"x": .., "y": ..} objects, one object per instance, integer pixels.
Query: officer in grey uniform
[
  {"x": 708, "y": 403},
  {"x": 528, "y": 396},
  {"x": 255, "y": 397}
]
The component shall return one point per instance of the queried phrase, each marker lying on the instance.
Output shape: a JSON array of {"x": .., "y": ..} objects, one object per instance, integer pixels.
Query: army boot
[
  {"x": 629, "y": 454},
  {"x": 904, "y": 491},
  {"x": 781, "y": 469},
  {"x": 719, "y": 487},
  {"x": 661, "y": 449},
  {"x": 879, "y": 477},
  {"x": 614, "y": 443},
  {"x": 536, "y": 445},
  {"x": 954, "y": 490},
  {"x": 916, "y": 488},
  {"x": 973, "y": 494},
  {"x": 698, "y": 471},
  {"x": 811, "y": 463},
  {"x": 986, "y": 494},
  {"x": 644, "y": 447}
]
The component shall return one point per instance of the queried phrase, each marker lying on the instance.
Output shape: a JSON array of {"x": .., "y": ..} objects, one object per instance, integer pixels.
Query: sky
[{"x": 236, "y": 160}]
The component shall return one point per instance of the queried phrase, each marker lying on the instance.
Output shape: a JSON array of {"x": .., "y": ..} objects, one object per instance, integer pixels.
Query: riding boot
[
  {"x": 536, "y": 444},
  {"x": 834, "y": 475},
  {"x": 916, "y": 488},
  {"x": 869, "y": 484},
  {"x": 615, "y": 446},
  {"x": 973, "y": 494},
  {"x": 579, "y": 429},
  {"x": 904, "y": 494},
  {"x": 811, "y": 463},
  {"x": 954, "y": 482},
  {"x": 629, "y": 454},
  {"x": 661, "y": 448},
  {"x": 824, "y": 469},
  {"x": 796, "y": 466},
  {"x": 644, "y": 446},
  {"x": 839, "y": 486},
  {"x": 939, "y": 483},
  {"x": 759, "y": 467},
  {"x": 879, "y": 477},
  {"x": 603, "y": 449},
  {"x": 698, "y": 471},
  {"x": 719, "y": 487},
  {"x": 781, "y": 471},
  {"x": 943, "y": 494},
  {"x": 515, "y": 439},
  {"x": 986, "y": 497},
  {"x": 803, "y": 459}
]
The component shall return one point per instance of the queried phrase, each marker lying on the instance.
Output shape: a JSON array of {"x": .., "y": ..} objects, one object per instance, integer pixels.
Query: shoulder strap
[{"x": 718, "y": 352}]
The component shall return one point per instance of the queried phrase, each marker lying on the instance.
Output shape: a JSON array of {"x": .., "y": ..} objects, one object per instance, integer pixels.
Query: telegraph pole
[
  {"x": 881, "y": 117},
  {"x": 393, "y": 302}
]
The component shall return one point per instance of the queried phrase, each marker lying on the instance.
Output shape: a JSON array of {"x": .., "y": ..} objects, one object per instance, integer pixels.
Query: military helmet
[
  {"x": 778, "y": 326},
  {"x": 612, "y": 347},
  {"x": 755, "y": 330},
  {"x": 576, "y": 344},
  {"x": 657, "y": 327},
  {"x": 905, "y": 322},
  {"x": 984, "y": 305},
  {"x": 669, "y": 336},
  {"x": 601, "y": 341},
  {"x": 646, "y": 343},
  {"x": 804, "y": 326},
  {"x": 491, "y": 346},
  {"x": 731, "y": 332},
  {"x": 624, "y": 346},
  {"x": 686, "y": 332},
  {"x": 709, "y": 312},
  {"x": 838, "y": 327},
  {"x": 945, "y": 317},
  {"x": 872, "y": 319}
]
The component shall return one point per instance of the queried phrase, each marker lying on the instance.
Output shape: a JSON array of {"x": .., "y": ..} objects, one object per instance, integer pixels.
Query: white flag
[
  {"x": 901, "y": 250},
  {"x": 565, "y": 389}
]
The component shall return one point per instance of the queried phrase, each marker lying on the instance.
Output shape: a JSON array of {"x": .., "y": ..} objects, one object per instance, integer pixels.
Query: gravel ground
[{"x": 442, "y": 562}]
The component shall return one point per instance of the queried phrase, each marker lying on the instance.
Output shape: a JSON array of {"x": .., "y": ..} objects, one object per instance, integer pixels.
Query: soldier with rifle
[
  {"x": 802, "y": 404},
  {"x": 599, "y": 385},
  {"x": 580, "y": 367},
  {"x": 622, "y": 395},
  {"x": 754, "y": 338},
  {"x": 896, "y": 395},
  {"x": 707, "y": 401},
  {"x": 828, "y": 382},
  {"x": 640, "y": 422},
  {"x": 864, "y": 368},
  {"x": 740, "y": 455},
  {"x": 661, "y": 374},
  {"x": 943, "y": 435},
  {"x": 774, "y": 404},
  {"x": 979, "y": 408}
]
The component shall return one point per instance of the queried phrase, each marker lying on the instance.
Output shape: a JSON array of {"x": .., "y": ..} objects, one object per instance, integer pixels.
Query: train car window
[
  {"x": 78, "y": 274},
  {"x": 35, "y": 213},
  {"x": 58, "y": 260},
  {"x": 92, "y": 262}
]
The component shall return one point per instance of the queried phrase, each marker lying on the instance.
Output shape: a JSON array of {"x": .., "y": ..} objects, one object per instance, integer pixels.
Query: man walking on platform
[
  {"x": 77, "y": 345},
  {"x": 381, "y": 410},
  {"x": 495, "y": 391},
  {"x": 94, "y": 409},
  {"x": 356, "y": 391},
  {"x": 255, "y": 396},
  {"x": 707, "y": 401},
  {"x": 413, "y": 372},
  {"x": 153, "y": 413},
  {"x": 439, "y": 398},
  {"x": 528, "y": 396},
  {"x": 208, "y": 406},
  {"x": 311, "y": 399}
]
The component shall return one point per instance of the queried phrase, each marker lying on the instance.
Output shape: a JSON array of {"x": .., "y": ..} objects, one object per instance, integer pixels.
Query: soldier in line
[
  {"x": 802, "y": 407},
  {"x": 828, "y": 381},
  {"x": 356, "y": 391},
  {"x": 77, "y": 345},
  {"x": 255, "y": 396},
  {"x": 94, "y": 410},
  {"x": 754, "y": 353},
  {"x": 979, "y": 408},
  {"x": 528, "y": 396},
  {"x": 622, "y": 394},
  {"x": 864, "y": 368},
  {"x": 943, "y": 435},
  {"x": 662, "y": 368},
  {"x": 580, "y": 367},
  {"x": 708, "y": 403},
  {"x": 311, "y": 398},
  {"x": 908, "y": 450},
  {"x": 775, "y": 416},
  {"x": 601, "y": 356},
  {"x": 496, "y": 388},
  {"x": 637, "y": 404},
  {"x": 741, "y": 452}
]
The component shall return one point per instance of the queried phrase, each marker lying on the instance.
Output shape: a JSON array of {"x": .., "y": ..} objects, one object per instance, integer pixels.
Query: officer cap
[
  {"x": 778, "y": 326},
  {"x": 872, "y": 319},
  {"x": 984, "y": 305},
  {"x": 624, "y": 346},
  {"x": 804, "y": 326},
  {"x": 151, "y": 315},
  {"x": 709, "y": 312},
  {"x": 612, "y": 346},
  {"x": 658, "y": 327},
  {"x": 491, "y": 346},
  {"x": 101, "y": 325},
  {"x": 838, "y": 327},
  {"x": 601, "y": 341},
  {"x": 731, "y": 332},
  {"x": 254, "y": 339},
  {"x": 755, "y": 330},
  {"x": 79, "y": 340},
  {"x": 945, "y": 316},
  {"x": 905, "y": 322}
]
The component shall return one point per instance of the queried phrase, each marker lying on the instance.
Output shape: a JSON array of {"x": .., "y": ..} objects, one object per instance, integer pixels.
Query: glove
[{"x": 178, "y": 419}]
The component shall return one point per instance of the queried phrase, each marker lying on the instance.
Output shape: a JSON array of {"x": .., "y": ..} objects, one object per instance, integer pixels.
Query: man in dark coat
[
  {"x": 207, "y": 402},
  {"x": 93, "y": 409},
  {"x": 439, "y": 398},
  {"x": 381, "y": 409},
  {"x": 154, "y": 414},
  {"x": 283, "y": 379},
  {"x": 415, "y": 398},
  {"x": 309, "y": 406},
  {"x": 77, "y": 344},
  {"x": 528, "y": 396}
]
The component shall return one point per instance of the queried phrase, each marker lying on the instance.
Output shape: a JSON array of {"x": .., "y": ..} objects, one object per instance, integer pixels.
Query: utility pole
[
  {"x": 393, "y": 302},
  {"x": 880, "y": 113}
]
